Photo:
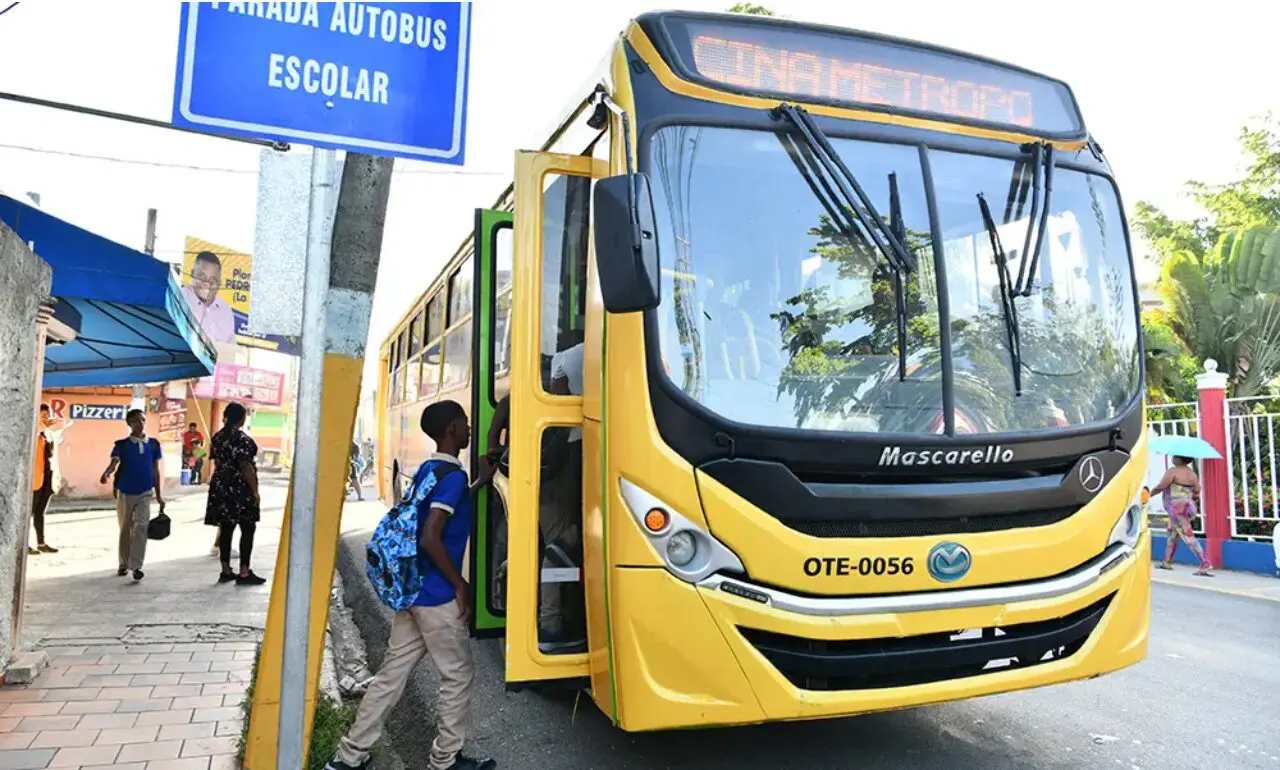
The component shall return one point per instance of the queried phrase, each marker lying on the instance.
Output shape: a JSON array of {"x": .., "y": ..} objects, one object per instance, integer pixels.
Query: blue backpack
[{"x": 392, "y": 553}]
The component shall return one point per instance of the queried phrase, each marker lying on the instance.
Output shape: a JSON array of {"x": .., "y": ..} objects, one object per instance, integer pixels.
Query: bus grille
[
  {"x": 920, "y": 527},
  {"x": 865, "y": 664}
]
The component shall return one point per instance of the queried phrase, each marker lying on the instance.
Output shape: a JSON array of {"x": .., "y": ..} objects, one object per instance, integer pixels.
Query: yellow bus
[{"x": 824, "y": 377}]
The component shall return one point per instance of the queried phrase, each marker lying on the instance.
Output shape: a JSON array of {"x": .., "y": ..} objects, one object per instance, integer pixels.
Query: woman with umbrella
[{"x": 1180, "y": 488}]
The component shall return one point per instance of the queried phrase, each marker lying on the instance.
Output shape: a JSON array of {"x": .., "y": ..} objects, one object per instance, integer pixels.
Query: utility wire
[{"x": 215, "y": 169}]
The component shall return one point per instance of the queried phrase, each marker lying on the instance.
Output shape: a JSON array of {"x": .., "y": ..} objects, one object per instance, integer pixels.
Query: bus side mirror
[{"x": 626, "y": 244}]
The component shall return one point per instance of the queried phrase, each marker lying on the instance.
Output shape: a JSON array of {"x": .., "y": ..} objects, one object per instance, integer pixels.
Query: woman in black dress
[{"x": 233, "y": 494}]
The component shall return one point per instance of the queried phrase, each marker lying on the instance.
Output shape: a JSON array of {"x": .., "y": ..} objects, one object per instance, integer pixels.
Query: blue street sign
[{"x": 383, "y": 79}]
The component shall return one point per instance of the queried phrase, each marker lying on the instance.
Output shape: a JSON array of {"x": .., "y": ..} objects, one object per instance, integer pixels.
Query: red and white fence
[{"x": 1241, "y": 496}]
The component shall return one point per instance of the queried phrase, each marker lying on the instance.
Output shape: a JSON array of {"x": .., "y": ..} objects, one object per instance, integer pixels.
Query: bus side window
[
  {"x": 412, "y": 369},
  {"x": 430, "y": 382},
  {"x": 457, "y": 341}
]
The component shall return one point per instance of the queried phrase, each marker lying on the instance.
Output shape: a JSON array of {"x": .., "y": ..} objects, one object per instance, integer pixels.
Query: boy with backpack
[{"x": 433, "y": 620}]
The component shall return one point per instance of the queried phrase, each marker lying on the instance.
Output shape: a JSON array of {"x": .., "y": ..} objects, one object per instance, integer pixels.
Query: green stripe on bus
[
  {"x": 604, "y": 505},
  {"x": 483, "y": 328}
]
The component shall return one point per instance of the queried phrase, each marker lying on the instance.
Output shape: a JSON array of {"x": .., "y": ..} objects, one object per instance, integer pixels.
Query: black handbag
[{"x": 158, "y": 528}]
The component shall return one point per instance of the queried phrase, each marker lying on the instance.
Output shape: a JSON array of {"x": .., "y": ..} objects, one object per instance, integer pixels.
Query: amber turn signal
[{"x": 656, "y": 520}]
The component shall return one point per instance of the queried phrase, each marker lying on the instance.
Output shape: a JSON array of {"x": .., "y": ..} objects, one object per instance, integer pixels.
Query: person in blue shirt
[
  {"x": 135, "y": 461},
  {"x": 437, "y": 623}
]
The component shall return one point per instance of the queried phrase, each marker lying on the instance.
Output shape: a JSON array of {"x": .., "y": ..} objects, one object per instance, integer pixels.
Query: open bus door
[
  {"x": 494, "y": 248},
  {"x": 538, "y": 491}
]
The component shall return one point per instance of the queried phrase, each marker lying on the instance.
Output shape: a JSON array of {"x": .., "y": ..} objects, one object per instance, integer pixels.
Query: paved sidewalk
[
  {"x": 1246, "y": 584},
  {"x": 147, "y": 675}
]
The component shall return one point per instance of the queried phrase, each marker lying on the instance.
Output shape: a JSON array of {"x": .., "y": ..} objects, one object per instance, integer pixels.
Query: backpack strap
[{"x": 413, "y": 493}]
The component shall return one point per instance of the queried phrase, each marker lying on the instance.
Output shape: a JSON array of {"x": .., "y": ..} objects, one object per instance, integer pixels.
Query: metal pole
[{"x": 306, "y": 466}]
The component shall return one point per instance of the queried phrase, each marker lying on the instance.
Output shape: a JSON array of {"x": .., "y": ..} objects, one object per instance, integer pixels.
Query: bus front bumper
[{"x": 726, "y": 652}]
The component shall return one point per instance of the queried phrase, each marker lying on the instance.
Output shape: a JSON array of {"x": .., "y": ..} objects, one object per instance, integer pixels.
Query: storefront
[
  {"x": 263, "y": 392},
  {"x": 88, "y": 421}
]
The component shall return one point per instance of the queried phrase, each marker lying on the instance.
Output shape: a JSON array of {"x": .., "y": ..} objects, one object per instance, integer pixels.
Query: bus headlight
[
  {"x": 681, "y": 548},
  {"x": 687, "y": 551},
  {"x": 1129, "y": 526}
]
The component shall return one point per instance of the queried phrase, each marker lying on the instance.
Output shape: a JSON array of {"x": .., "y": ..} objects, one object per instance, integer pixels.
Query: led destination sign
[{"x": 824, "y": 66}]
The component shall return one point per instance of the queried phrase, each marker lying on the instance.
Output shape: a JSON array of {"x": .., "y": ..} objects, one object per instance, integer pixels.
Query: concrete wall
[
  {"x": 1262, "y": 558},
  {"x": 24, "y": 285}
]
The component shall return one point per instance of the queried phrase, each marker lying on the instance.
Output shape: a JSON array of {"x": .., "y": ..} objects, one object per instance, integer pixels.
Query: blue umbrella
[{"x": 1185, "y": 446}]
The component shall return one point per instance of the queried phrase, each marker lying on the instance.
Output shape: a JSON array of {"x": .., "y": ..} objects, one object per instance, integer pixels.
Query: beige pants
[
  {"x": 134, "y": 514},
  {"x": 434, "y": 631}
]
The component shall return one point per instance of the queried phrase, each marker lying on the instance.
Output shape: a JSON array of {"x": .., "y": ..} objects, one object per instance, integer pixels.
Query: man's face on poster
[{"x": 206, "y": 277}]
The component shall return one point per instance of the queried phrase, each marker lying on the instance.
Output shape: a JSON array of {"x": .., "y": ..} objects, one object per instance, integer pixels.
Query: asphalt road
[{"x": 1207, "y": 696}]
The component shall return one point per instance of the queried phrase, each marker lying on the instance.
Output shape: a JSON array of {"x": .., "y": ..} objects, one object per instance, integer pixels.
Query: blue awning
[{"x": 135, "y": 326}]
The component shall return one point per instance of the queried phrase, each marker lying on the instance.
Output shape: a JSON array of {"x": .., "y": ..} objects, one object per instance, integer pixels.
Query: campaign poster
[{"x": 217, "y": 283}]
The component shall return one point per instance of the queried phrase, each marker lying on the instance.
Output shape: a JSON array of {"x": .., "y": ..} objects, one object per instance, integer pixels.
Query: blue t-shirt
[
  {"x": 136, "y": 473},
  {"x": 452, "y": 493}
]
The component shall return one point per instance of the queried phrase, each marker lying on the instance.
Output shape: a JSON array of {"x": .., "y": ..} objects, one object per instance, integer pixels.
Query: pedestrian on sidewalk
[
  {"x": 42, "y": 489},
  {"x": 233, "y": 494},
  {"x": 436, "y": 624},
  {"x": 353, "y": 472},
  {"x": 1180, "y": 488},
  {"x": 135, "y": 463},
  {"x": 192, "y": 456}
]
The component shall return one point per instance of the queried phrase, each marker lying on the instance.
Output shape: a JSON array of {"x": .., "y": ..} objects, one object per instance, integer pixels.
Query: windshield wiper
[
  {"x": 899, "y": 229},
  {"x": 1007, "y": 293},
  {"x": 855, "y": 200},
  {"x": 1042, "y": 174}
]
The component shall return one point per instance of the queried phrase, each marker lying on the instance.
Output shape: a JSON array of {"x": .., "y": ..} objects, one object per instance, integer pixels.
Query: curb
[
  {"x": 1216, "y": 589},
  {"x": 351, "y": 667}
]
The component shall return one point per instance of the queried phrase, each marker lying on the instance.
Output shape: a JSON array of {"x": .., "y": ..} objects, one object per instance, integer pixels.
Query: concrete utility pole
[
  {"x": 149, "y": 245},
  {"x": 285, "y": 691}
]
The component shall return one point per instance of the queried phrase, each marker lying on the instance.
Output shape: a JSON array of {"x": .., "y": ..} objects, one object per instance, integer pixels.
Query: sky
[{"x": 1164, "y": 93}]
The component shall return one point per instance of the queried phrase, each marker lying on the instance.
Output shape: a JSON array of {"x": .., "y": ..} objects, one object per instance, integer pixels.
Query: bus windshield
[{"x": 771, "y": 316}]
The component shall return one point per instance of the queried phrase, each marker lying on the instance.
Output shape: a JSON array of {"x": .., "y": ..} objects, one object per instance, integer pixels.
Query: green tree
[
  {"x": 1226, "y": 306},
  {"x": 1220, "y": 273},
  {"x": 1247, "y": 202},
  {"x": 1170, "y": 236},
  {"x": 1171, "y": 369},
  {"x": 755, "y": 9}
]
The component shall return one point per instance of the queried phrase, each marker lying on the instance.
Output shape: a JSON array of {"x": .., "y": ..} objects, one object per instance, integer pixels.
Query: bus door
[
  {"x": 541, "y": 580},
  {"x": 494, "y": 248}
]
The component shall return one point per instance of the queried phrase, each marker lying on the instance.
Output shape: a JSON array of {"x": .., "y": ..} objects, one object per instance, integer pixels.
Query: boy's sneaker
[
  {"x": 338, "y": 764},
  {"x": 467, "y": 763}
]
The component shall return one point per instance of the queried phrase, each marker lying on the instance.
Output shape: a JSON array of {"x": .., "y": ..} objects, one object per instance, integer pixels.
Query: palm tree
[{"x": 1226, "y": 305}]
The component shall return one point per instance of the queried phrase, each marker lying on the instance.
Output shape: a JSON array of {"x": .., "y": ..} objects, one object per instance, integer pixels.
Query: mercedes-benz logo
[{"x": 1092, "y": 474}]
